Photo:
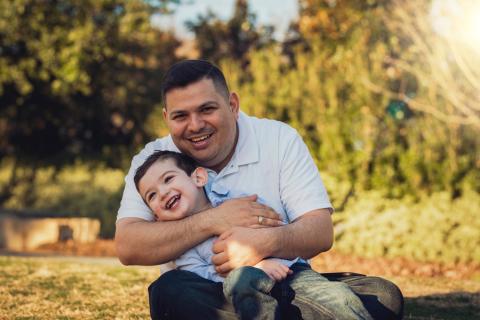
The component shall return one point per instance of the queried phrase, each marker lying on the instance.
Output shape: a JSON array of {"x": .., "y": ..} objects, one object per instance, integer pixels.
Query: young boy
[{"x": 174, "y": 187}]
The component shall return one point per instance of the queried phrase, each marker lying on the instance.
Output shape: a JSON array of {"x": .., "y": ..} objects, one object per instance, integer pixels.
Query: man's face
[
  {"x": 170, "y": 193},
  {"x": 202, "y": 122}
]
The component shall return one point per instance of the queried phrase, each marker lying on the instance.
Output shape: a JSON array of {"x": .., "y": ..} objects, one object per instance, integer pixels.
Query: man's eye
[
  {"x": 208, "y": 109},
  {"x": 168, "y": 179},
  {"x": 179, "y": 117}
]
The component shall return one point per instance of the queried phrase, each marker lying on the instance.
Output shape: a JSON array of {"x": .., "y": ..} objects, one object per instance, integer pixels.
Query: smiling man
[{"x": 258, "y": 156}]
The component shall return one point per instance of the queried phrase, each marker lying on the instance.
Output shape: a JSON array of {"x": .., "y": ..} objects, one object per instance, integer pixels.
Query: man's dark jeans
[{"x": 184, "y": 295}]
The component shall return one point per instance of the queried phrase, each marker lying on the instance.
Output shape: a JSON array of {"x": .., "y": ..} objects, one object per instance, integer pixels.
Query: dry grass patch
[
  {"x": 73, "y": 288},
  {"x": 101, "y": 288}
]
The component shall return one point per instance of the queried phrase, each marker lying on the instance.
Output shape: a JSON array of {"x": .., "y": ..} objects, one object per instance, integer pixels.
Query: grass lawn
[{"x": 101, "y": 288}]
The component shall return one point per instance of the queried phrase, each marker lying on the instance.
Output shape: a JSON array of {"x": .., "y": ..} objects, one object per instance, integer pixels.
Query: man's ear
[
  {"x": 200, "y": 176},
  {"x": 165, "y": 113},
  {"x": 234, "y": 103}
]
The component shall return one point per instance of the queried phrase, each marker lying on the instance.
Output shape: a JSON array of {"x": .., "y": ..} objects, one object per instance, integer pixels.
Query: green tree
[
  {"x": 78, "y": 80},
  {"x": 362, "y": 138},
  {"x": 234, "y": 38}
]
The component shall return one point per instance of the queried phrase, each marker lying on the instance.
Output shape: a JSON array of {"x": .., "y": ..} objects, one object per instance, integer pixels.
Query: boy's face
[{"x": 170, "y": 193}]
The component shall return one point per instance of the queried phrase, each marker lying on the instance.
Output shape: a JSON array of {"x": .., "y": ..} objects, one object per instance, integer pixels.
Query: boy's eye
[
  {"x": 168, "y": 179},
  {"x": 151, "y": 196}
]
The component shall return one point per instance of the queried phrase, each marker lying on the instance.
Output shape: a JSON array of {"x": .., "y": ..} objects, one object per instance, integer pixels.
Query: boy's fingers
[
  {"x": 219, "y": 259},
  {"x": 224, "y": 268}
]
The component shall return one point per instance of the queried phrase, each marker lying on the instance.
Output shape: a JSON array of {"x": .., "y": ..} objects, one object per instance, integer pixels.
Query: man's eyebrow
[{"x": 205, "y": 104}]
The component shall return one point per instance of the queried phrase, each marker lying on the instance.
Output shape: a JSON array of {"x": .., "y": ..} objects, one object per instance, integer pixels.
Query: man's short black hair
[
  {"x": 186, "y": 72},
  {"x": 182, "y": 161}
]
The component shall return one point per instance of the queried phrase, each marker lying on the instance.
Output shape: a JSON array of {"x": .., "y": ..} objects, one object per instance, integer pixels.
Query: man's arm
[
  {"x": 306, "y": 237},
  {"x": 143, "y": 242},
  {"x": 149, "y": 243}
]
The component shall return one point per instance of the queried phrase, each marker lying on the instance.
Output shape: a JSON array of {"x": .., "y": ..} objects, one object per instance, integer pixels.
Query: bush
[{"x": 431, "y": 229}]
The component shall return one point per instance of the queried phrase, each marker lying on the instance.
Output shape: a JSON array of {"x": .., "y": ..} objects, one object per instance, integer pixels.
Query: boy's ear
[{"x": 200, "y": 176}]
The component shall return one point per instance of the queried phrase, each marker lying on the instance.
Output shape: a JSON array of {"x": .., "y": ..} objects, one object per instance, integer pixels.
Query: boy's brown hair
[{"x": 182, "y": 161}]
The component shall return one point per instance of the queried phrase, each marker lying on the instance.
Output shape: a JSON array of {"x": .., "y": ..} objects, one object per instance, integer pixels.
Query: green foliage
[
  {"x": 78, "y": 79},
  {"x": 322, "y": 88},
  {"x": 409, "y": 184},
  {"x": 433, "y": 229},
  {"x": 234, "y": 39}
]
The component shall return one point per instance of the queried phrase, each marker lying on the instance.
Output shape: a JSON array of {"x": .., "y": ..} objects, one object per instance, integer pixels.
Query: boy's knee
[{"x": 246, "y": 279}]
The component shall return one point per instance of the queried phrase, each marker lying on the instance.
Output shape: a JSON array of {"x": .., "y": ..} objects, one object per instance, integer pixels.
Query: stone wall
[{"x": 19, "y": 233}]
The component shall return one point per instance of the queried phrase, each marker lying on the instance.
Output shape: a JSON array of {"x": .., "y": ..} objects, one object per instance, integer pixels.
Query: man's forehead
[{"x": 192, "y": 95}]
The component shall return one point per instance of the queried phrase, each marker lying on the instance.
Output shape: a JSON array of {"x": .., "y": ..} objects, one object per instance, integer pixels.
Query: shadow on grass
[{"x": 454, "y": 305}]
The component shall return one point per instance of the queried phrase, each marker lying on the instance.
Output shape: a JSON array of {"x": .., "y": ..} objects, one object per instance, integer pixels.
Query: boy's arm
[{"x": 143, "y": 242}]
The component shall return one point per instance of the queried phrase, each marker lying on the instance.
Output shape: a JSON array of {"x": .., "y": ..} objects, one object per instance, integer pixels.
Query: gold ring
[{"x": 260, "y": 219}]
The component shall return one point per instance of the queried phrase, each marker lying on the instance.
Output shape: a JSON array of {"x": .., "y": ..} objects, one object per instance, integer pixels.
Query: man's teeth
[
  {"x": 198, "y": 139},
  {"x": 172, "y": 201}
]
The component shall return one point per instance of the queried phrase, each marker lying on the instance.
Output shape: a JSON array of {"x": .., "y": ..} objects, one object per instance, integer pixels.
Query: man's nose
[{"x": 196, "y": 123}]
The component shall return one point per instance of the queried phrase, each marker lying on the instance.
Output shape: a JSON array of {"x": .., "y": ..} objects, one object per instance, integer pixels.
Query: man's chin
[{"x": 202, "y": 158}]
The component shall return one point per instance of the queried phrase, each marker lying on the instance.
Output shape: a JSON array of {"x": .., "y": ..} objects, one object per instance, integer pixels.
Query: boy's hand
[{"x": 274, "y": 269}]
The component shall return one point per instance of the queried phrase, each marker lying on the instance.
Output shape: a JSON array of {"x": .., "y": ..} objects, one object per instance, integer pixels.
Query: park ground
[{"x": 53, "y": 285}]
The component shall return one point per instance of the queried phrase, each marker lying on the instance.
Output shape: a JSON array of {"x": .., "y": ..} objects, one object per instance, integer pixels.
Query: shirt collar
[{"x": 246, "y": 150}]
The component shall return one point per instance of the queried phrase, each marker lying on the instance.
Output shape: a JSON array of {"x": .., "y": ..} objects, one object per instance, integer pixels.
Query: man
[{"x": 263, "y": 157}]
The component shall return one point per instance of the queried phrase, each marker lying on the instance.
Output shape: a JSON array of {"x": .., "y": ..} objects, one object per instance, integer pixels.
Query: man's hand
[
  {"x": 243, "y": 212},
  {"x": 236, "y": 248},
  {"x": 274, "y": 269},
  {"x": 305, "y": 237}
]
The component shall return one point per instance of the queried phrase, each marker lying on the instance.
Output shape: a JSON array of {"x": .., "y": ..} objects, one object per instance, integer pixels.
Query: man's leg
[
  {"x": 382, "y": 298},
  {"x": 179, "y": 294},
  {"x": 248, "y": 289},
  {"x": 318, "y": 298}
]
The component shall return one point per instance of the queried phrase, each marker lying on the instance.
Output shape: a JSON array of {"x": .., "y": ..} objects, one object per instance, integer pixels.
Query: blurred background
[{"x": 385, "y": 93}]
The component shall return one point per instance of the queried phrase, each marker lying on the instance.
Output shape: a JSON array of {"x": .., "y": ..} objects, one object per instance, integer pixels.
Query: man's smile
[{"x": 200, "y": 141}]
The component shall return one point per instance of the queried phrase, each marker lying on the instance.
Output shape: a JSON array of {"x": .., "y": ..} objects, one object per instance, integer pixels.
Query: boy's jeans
[
  {"x": 179, "y": 294},
  {"x": 304, "y": 294}
]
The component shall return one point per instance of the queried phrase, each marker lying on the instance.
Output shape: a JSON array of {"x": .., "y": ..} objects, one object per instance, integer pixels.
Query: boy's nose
[{"x": 164, "y": 191}]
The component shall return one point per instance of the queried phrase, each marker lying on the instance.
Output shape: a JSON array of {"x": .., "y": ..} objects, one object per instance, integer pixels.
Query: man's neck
[{"x": 218, "y": 167}]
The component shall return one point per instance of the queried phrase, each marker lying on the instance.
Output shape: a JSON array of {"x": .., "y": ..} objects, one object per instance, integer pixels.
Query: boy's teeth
[{"x": 172, "y": 201}]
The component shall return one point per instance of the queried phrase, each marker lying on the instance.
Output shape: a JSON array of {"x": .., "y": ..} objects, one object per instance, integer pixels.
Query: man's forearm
[
  {"x": 306, "y": 237},
  {"x": 142, "y": 242}
]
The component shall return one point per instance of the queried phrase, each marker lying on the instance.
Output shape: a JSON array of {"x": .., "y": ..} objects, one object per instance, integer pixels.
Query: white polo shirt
[{"x": 270, "y": 160}]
